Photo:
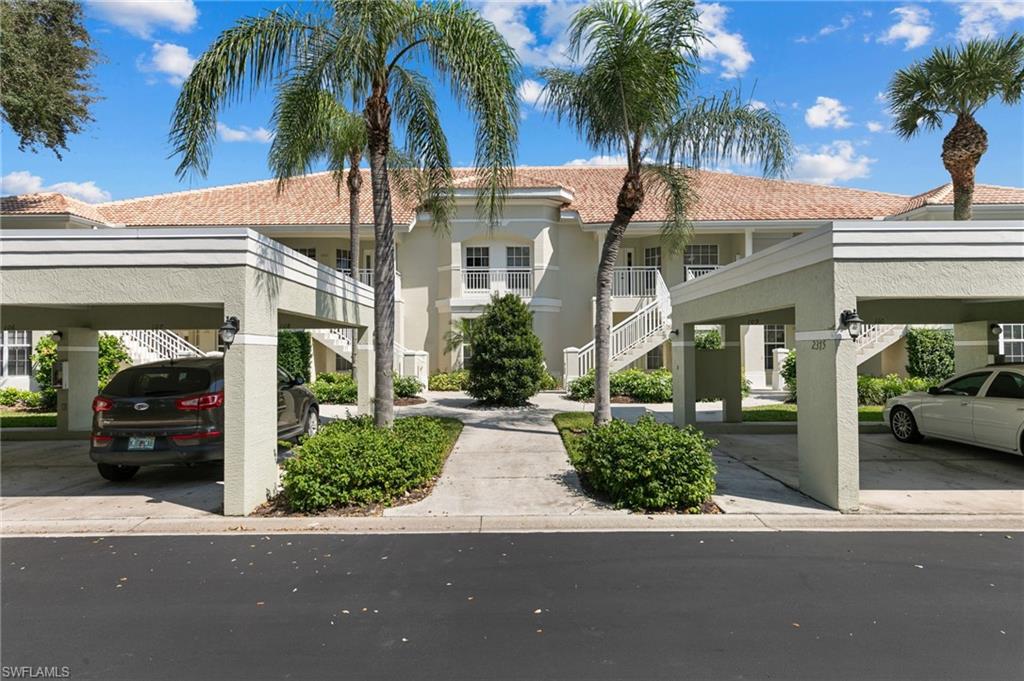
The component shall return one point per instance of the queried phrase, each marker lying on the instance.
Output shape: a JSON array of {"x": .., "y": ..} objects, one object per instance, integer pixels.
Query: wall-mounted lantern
[
  {"x": 851, "y": 321},
  {"x": 228, "y": 331}
]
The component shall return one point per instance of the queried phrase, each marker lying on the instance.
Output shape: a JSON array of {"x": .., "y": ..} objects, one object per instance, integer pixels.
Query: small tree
[
  {"x": 508, "y": 360},
  {"x": 930, "y": 353},
  {"x": 294, "y": 352}
]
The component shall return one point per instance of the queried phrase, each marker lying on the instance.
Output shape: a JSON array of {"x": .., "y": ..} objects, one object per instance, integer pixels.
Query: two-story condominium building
[{"x": 545, "y": 250}]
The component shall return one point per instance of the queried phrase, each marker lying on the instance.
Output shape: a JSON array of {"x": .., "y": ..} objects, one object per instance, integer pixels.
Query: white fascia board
[
  {"x": 559, "y": 195},
  {"x": 716, "y": 226},
  {"x": 945, "y": 210},
  {"x": 477, "y": 304},
  {"x": 340, "y": 230}
]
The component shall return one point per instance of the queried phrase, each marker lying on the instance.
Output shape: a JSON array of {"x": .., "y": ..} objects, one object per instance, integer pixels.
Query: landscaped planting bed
[
  {"x": 340, "y": 388},
  {"x": 351, "y": 467},
  {"x": 787, "y": 412},
  {"x": 644, "y": 466}
]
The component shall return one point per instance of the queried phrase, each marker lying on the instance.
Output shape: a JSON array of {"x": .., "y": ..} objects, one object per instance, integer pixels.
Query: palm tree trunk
[
  {"x": 631, "y": 195},
  {"x": 355, "y": 183},
  {"x": 962, "y": 149},
  {"x": 378, "y": 128}
]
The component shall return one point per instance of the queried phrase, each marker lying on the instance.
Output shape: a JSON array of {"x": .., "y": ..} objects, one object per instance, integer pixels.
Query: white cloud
[
  {"x": 756, "y": 104},
  {"x": 875, "y": 126},
  {"x": 173, "y": 61},
  {"x": 142, "y": 17},
  {"x": 831, "y": 163},
  {"x": 913, "y": 28},
  {"x": 827, "y": 113},
  {"x": 24, "y": 182},
  {"x": 599, "y": 160},
  {"x": 728, "y": 49},
  {"x": 244, "y": 133},
  {"x": 531, "y": 92},
  {"x": 987, "y": 19},
  {"x": 846, "y": 22},
  {"x": 546, "y": 48}
]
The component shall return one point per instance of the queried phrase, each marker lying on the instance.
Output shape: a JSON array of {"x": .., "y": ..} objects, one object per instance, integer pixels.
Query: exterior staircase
[
  {"x": 152, "y": 345},
  {"x": 875, "y": 338},
  {"x": 647, "y": 328}
]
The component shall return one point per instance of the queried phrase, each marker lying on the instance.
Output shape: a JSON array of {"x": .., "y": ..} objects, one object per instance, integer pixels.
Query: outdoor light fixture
[
  {"x": 56, "y": 336},
  {"x": 228, "y": 331},
  {"x": 851, "y": 321},
  {"x": 996, "y": 330}
]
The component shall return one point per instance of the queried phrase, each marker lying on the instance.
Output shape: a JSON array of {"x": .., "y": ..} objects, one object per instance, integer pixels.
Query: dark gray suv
[{"x": 172, "y": 412}]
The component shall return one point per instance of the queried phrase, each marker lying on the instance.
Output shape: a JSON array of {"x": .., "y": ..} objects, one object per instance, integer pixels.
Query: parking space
[{"x": 934, "y": 476}]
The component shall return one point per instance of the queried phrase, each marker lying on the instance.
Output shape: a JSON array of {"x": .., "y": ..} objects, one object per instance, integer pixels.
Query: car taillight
[
  {"x": 100, "y": 403},
  {"x": 101, "y": 440},
  {"x": 201, "y": 402},
  {"x": 194, "y": 438}
]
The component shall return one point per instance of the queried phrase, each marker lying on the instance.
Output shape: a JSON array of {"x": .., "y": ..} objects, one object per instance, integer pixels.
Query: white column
[
  {"x": 753, "y": 355},
  {"x": 748, "y": 243},
  {"x": 684, "y": 377},
  {"x": 365, "y": 371},
  {"x": 570, "y": 365},
  {"x": 974, "y": 345},
  {"x": 733, "y": 397},
  {"x": 79, "y": 348}
]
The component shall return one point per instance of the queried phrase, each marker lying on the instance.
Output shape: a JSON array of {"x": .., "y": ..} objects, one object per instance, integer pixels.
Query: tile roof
[{"x": 313, "y": 200}]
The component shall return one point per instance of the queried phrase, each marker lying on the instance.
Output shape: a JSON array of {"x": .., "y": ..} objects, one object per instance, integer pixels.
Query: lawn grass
[
  {"x": 27, "y": 419},
  {"x": 571, "y": 426},
  {"x": 787, "y": 412}
]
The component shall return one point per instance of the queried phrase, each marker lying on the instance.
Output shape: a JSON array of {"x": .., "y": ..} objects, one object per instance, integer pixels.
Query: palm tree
[
  {"x": 630, "y": 94},
  {"x": 365, "y": 50},
  {"x": 958, "y": 82}
]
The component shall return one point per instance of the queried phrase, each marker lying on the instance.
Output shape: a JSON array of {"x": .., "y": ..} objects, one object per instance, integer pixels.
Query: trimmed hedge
[
  {"x": 646, "y": 466},
  {"x": 294, "y": 352},
  {"x": 352, "y": 462},
  {"x": 508, "y": 359},
  {"x": 21, "y": 399},
  {"x": 407, "y": 386},
  {"x": 877, "y": 389},
  {"x": 334, "y": 388},
  {"x": 708, "y": 340},
  {"x": 930, "y": 353},
  {"x": 642, "y": 386},
  {"x": 448, "y": 381}
]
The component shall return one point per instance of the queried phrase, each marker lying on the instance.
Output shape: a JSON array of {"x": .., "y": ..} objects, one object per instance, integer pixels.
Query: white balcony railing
[
  {"x": 694, "y": 271},
  {"x": 635, "y": 282},
  {"x": 517, "y": 280},
  {"x": 362, "y": 276}
]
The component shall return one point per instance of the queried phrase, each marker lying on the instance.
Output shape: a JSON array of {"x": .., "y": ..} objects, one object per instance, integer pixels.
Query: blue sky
[{"x": 821, "y": 65}]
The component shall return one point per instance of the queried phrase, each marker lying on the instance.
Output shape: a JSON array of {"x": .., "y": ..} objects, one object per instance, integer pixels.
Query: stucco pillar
[
  {"x": 365, "y": 374},
  {"x": 250, "y": 401},
  {"x": 753, "y": 355},
  {"x": 748, "y": 242},
  {"x": 974, "y": 345},
  {"x": 827, "y": 428},
  {"x": 455, "y": 273},
  {"x": 684, "y": 377},
  {"x": 79, "y": 348},
  {"x": 733, "y": 398}
]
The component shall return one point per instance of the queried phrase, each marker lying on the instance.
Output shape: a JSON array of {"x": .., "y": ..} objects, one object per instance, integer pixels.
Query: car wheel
[
  {"x": 903, "y": 425},
  {"x": 116, "y": 473},
  {"x": 312, "y": 422}
]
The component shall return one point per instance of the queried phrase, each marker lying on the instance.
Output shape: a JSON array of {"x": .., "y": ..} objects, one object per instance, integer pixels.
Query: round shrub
[
  {"x": 508, "y": 360},
  {"x": 930, "y": 353},
  {"x": 407, "y": 386},
  {"x": 642, "y": 386},
  {"x": 448, "y": 381},
  {"x": 582, "y": 389},
  {"x": 352, "y": 462},
  {"x": 647, "y": 466},
  {"x": 548, "y": 382}
]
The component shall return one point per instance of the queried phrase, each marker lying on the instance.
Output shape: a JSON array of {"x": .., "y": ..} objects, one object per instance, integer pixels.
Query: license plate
[{"x": 141, "y": 442}]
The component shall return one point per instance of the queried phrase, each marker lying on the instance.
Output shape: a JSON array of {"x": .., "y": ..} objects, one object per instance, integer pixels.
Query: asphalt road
[{"x": 526, "y": 606}]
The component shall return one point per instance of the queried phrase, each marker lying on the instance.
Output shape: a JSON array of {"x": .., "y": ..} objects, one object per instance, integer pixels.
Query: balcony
[
  {"x": 489, "y": 280},
  {"x": 694, "y": 271},
  {"x": 635, "y": 282}
]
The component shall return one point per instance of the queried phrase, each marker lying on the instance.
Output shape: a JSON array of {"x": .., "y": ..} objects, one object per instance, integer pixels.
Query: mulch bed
[{"x": 409, "y": 401}]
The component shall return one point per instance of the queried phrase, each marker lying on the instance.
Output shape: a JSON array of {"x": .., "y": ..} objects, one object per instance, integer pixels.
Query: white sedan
[{"x": 982, "y": 407}]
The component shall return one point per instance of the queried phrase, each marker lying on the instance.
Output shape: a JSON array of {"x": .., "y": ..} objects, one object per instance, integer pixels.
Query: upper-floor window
[
  {"x": 17, "y": 353},
  {"x": 701, "y": 254},
  {"x": 308, "y": 252},
  {"x": 517, "y": 256},
  {"x": 342, "y": 260},
  {"x": 652, "y": 257},
  {"x": 1012, "y": 342},
  {"x": 478, "y": 256}
]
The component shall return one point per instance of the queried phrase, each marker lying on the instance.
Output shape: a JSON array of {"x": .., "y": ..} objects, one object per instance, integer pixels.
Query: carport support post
[
  {"x": 974, "y": 345},
  {"x": 684, "y": 377},
  {"x": 80, "y": 349},
  {"x": 365, "y": 378},
  {"x": 250, "y": 407},
  {"x": 733, "y": 397},
  {"x": 827, "y": 428}
]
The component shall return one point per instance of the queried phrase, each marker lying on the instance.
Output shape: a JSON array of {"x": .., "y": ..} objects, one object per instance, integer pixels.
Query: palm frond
[{"x": 673, "y": 187}]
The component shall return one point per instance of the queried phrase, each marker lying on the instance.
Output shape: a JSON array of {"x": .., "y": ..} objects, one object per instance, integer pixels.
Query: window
[
  {"x": 467, "y": 349},
  {"x": 517, "y": 256},
  {"x": 1007, "y": 384},
  {"x": 652, "y": 257},
  {"x": 1011, "y": 343},
  {"x": 342, "y": 260},
  {"x": 701, "y": 255},
  {"x": 478, "y": 256},
  {"x": 654, "y": 359},
  {"x": 157, "y": 381},
  {"x": 774, "y": 337},
  {"x": 308, "y": 252},
  {"x": 966, "y": 386},
  {"x": 17, "y": 353}
]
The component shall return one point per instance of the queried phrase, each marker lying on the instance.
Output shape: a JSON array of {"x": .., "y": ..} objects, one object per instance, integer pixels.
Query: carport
[
  {"x": 82, "y": 281},
  {"x": 969, "y": 274}
]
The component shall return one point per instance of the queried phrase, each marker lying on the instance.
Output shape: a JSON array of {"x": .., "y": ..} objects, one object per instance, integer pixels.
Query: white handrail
[
  {"x": 517, "y": 280},
  {"x": 630, "y": 282},
  {"x": 694, "y": 271},
  {"x": 162, "y": 343}
]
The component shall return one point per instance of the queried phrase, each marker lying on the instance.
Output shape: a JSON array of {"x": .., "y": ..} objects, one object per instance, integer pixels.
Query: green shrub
[
  {"x": 294, "y": 352},
  {"x": 334, "y": 388},
  {"x": 930, "y": 353},
  {"x": 352, "y": 462},
  {"x": 508, "y": 360},
  {"x": 647, "y": 466},
  {"x": 21, "y": 399},
  {"x": 548, "y": 382},
  {"x": 875, "y": 390},
  {"x": 642, "y": 386},
  {"x": 113, "y": 356},
  {"x": 407, "y": 386},
  {"x": 447, "y": 381},
  {"x": 789, "y": 373},
  {"x": 582, "y": 389},
  {"x": 708, "y": 340}
]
